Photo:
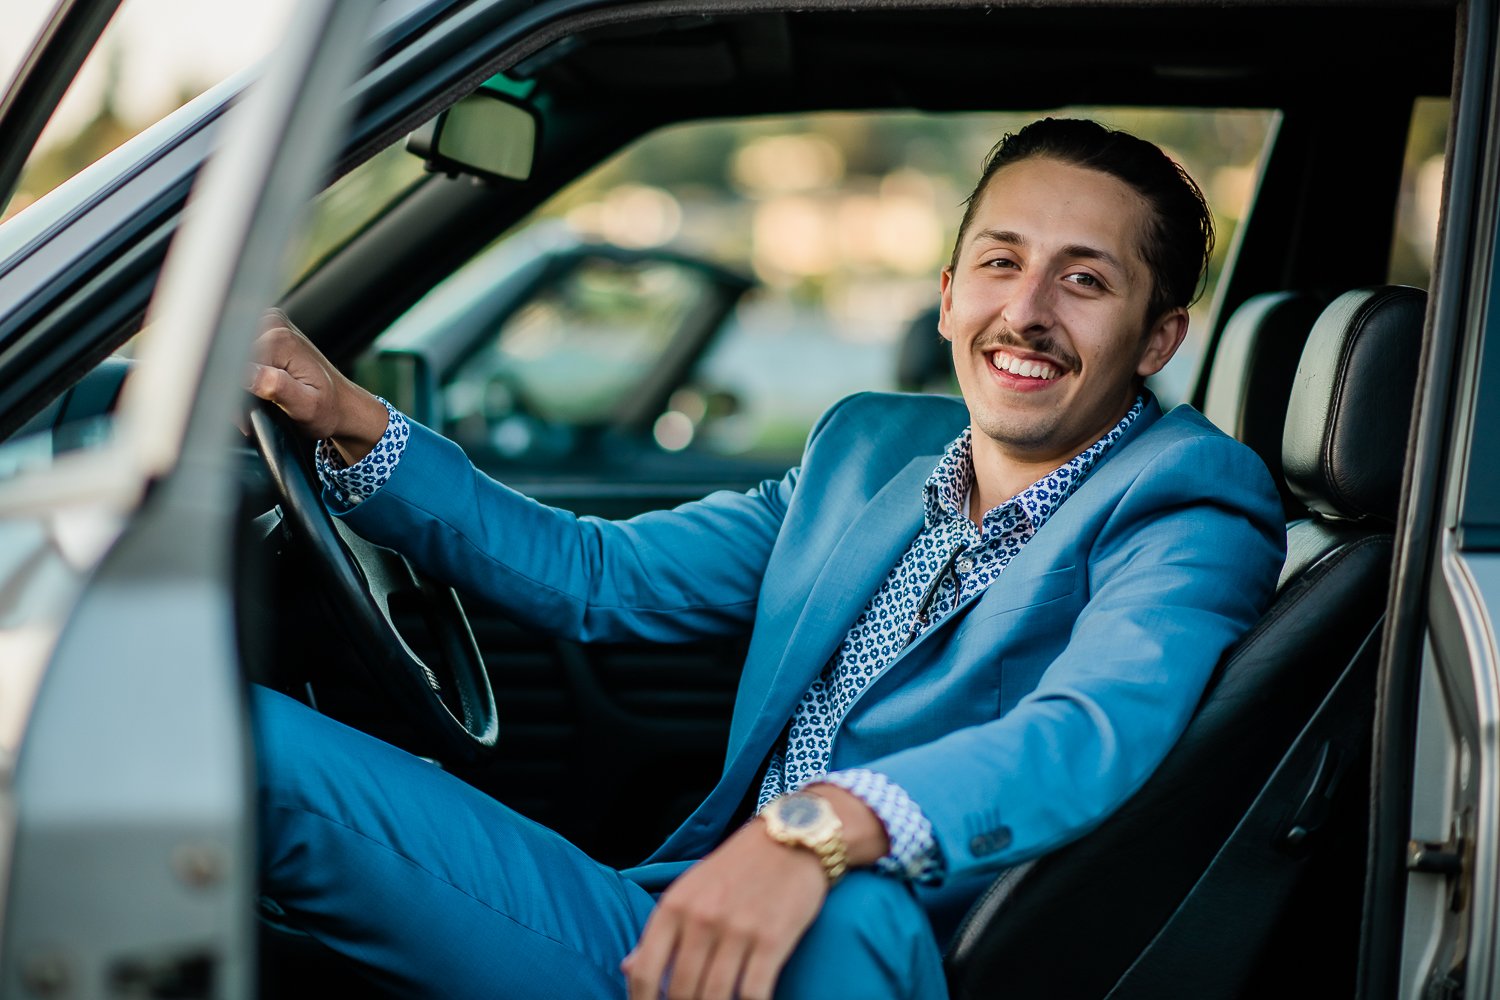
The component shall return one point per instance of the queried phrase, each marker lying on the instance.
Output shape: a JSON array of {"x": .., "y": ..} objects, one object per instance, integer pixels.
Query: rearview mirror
[{"x": 485, "y": 135}]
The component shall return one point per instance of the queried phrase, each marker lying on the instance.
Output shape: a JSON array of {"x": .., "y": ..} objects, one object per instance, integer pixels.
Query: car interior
[{"x": 1240, "y": 869}]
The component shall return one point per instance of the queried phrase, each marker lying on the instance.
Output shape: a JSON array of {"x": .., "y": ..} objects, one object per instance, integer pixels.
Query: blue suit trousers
[{"x": 438, "y": 890}]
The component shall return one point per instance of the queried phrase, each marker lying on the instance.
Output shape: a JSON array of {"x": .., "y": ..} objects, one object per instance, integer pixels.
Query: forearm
[{"x": 664, "y": 576}]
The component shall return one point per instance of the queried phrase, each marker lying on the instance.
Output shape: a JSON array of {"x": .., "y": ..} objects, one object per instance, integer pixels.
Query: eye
[
  {"x": 1085, "y": 279},
  {"x": 1001, "y": 262}
]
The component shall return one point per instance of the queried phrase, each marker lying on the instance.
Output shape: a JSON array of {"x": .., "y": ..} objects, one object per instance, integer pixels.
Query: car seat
[
  {"x": 1237, "y": 869},
  {"x": 1250, "y": 383}
]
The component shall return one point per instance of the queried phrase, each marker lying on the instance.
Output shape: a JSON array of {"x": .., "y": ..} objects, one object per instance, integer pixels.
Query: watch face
[{"x": 799, "y": 811}]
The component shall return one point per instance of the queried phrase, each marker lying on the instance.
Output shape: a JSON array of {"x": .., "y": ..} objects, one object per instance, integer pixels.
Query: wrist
[
  {"x": 865, "y": 836},
  {"x": 362, "y": 422},
  {"x": 807, "y": 823}
]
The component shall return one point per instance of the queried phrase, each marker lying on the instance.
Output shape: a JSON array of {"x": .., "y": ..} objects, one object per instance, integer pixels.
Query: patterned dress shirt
[{"x": 951, "y": 561}]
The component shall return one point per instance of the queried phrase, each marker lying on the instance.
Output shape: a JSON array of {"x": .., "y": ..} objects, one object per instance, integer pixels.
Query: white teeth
[{"x": 1025, "y": 369}]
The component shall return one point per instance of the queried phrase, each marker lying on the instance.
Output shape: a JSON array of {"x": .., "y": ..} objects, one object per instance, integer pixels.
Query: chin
[{"x": 1016, "y": 434}]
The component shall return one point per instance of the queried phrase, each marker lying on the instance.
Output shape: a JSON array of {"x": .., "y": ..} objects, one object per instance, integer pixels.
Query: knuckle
[
  {"x": 742, "y": 928},
  {"x": 764, "y": 941}
]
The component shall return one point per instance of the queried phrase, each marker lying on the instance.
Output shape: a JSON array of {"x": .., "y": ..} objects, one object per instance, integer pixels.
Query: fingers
[
  {"x": 700, "y": 966},
  {"x": 267, "y": 382},
  {"x": 694, "y": 951},
  {"x": 762, "y": 968},
  {"x": 722, "y": 976},
  {"x": 683, "y": 956},
  {"x": 291, "y": 372},
  {"x": 728, "y": 925},
  {"x": 645, "y": 967}
]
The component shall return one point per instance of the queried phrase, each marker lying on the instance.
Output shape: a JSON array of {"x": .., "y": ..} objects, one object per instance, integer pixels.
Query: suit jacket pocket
[
  {"x": 1043, "y": 588},
  {"x": 1026, "y": 633}
]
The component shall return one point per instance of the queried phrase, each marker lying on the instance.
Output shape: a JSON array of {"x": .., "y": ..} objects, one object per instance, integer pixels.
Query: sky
[{"x": 163, "y": 47}]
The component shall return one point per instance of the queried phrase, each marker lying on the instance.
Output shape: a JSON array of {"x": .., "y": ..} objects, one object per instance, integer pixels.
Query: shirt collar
[{"x": 946, "y": 491}]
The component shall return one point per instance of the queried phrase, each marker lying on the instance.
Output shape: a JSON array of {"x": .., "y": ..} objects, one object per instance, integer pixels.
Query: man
[{"x": 975, "y": 630}]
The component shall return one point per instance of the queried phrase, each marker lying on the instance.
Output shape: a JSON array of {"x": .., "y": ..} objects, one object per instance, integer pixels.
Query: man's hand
[
  {"x": 727, "y": 926},
  {"x": 290, "y": 372}
]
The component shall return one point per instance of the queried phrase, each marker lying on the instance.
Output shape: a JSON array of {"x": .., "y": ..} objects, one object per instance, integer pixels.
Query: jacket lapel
[{"x": 859, "y": 563}]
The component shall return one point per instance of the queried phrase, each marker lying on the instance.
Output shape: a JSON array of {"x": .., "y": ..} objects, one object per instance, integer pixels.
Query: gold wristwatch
[{"x": 803, "y": 819}]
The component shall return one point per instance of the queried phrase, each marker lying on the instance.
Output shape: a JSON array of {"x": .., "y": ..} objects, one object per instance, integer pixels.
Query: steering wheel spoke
[{"x": 395, "y": 617}]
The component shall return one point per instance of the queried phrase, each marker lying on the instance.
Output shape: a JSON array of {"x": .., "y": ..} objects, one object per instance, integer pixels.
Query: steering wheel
[{"x": 371, "y": 589}]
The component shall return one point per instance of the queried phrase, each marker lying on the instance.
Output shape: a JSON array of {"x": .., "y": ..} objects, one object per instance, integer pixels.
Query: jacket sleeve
[
  {"x": 664, "y": 576},
  {"x": 1182, "y": 568}
]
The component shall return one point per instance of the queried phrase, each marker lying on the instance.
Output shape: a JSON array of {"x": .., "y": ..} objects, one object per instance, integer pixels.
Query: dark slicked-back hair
[{"x": 1180, "y": 236}]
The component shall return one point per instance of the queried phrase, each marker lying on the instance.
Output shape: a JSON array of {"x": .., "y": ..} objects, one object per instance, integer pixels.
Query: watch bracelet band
[
  {"x": 834, "y": 856},
  {"x": 832, "y": 853}
]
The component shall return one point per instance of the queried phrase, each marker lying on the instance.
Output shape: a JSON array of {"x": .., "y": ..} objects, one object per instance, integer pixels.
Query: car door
[
  {"x": 1430, "y": 927},
  {"x": 126, "y": 810}
]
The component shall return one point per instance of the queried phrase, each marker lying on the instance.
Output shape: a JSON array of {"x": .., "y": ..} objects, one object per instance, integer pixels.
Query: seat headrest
[
  {"x": 1344, "y": 449},
  {"x": 1253, "y": 369}
]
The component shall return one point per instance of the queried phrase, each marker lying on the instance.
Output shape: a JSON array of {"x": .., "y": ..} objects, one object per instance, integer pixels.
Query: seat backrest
[
  {"x": 1071, "y": 923},
  {"x": 1250, "y": 383},
  {"x": 924, "y": 361}
]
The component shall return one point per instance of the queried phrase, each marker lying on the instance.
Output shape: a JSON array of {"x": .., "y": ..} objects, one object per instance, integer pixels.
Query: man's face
[{"x": 1046, "y": 309}]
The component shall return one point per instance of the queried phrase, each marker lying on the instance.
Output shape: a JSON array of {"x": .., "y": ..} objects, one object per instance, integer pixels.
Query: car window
[
  {"x": 840, "y": 221},
  {"x": 354, "y": 201},
  {"x": 154, "y": 57},
  {"x": 1415, "y": 238},
  {"x": 621, "y": 315}
]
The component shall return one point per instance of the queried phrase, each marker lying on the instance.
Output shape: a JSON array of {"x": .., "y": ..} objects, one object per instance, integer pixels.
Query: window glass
[
  {"x": 355, "y": 200},
  {"x": 1415, "y": 238},
  {"x": 573, "y": 353},
  {"x": 154, "y": 57},
  {"x": 840, "y": 222}
]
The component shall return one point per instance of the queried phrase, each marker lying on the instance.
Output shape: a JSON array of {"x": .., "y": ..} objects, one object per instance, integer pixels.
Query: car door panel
[{"x": 132, "y": 779}]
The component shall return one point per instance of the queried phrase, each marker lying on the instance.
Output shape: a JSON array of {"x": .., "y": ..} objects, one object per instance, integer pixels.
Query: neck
[
  {"x": 998, "y": 477},
  {"x": 1000, "y": 473}
]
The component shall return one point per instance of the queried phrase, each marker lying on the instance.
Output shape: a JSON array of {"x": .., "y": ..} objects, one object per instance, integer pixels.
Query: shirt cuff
[
  {"x": 350, "y": 485},
  {"x": 914, "y": 852}
]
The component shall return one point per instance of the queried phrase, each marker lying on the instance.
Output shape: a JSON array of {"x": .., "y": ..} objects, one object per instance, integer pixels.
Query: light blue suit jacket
[{"x": 1016, "y": 724}]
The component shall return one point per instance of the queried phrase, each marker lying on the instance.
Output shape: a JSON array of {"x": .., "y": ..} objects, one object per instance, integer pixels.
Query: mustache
[{"x": 1044, "y": 345}]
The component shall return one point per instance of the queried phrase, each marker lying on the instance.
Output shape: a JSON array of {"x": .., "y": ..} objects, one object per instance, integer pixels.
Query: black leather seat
[
  {"x": 1251, "y": 380},
  {"x": 1164, "y": 900},
  {"x": 924, "y": 360}
]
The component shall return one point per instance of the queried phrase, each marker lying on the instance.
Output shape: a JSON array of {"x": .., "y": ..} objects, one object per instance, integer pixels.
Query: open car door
[
  {"x": 1432, "y": 908},
  {"x": 126, "y": 806}
]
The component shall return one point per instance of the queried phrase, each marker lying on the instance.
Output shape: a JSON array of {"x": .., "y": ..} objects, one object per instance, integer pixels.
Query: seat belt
[{"x": 1200, "y": 954}]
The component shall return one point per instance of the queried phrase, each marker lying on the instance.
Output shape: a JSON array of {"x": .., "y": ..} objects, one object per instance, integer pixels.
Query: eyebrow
[{"x": 1077, "y": 251}]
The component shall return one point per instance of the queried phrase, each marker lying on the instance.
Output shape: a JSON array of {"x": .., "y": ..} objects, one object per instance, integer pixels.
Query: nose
[{"x": 1029, "y": 310}]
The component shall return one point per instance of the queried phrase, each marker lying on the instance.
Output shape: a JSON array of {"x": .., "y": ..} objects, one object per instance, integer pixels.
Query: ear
[
  {"x": 945, "y": 302},
  {"x": 1162, "y": 341}
]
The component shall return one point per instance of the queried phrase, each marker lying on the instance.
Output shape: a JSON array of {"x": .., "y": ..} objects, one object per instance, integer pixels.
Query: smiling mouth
[{"x": 1041, "y": 370}]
